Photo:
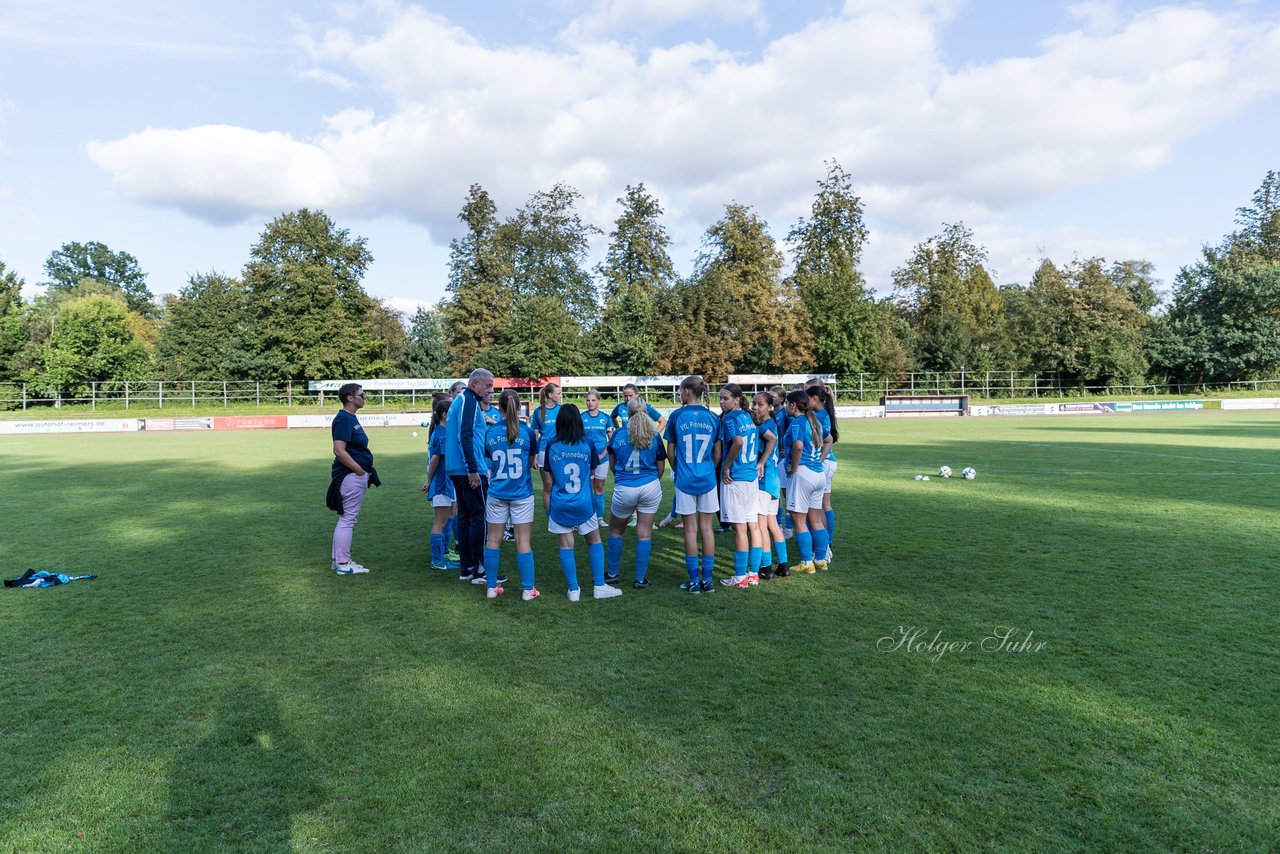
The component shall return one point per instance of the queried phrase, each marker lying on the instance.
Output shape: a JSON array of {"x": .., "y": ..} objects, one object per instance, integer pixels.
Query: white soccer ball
[
  {"x": 919, "y": 477},
  {"x": 945, "y": 471},
  {"x": 415, "y": 434},
  {"x": 969, "y": 473},
  {"x": 924, "y": 477}
]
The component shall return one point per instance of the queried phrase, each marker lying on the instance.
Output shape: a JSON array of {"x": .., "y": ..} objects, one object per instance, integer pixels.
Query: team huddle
[{"x": 738, "y": 464}]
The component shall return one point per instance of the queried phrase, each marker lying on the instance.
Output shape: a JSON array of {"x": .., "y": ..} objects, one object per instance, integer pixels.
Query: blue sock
[
  {"x": 615, "y": 555},
  {"x": 708, "y": 566},
  {"x": 524, "y": 563},
  {"x": 804, "y": 540},
  {"x": 643, "y": 548},
  {"x": 831, "y": 525},
  {"x": 753, "y": 559},
  {"x": 569, "y": 568},
  {"x": 599, "y": 502},
  {"x": 595, "y": 559},
  {"x": 691, "y": 566},
  {"x": 437, "y": 548},
  {"x": 491, "y": 557},
  {"x": 739, "y": 563},
  {"x": 780, "y": 551},
  {"x": 820, "y": 543}
]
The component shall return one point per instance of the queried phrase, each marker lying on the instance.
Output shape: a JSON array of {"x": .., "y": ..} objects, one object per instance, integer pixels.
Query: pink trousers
[{"x": 353, "y": 489}]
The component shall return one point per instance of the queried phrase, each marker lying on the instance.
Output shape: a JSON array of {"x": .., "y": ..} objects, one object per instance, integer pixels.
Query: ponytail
[
  {"x": 828, "y": 405},
  {"x": 640, "y": 427},
  {"x": 800, "y": 398},
  {"x": 509, "y": 406}
]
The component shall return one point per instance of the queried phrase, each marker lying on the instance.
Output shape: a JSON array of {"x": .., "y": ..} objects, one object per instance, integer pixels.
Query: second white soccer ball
[
  {"x": 969, "y": 473},
  {"x": 945, "y": 471}
]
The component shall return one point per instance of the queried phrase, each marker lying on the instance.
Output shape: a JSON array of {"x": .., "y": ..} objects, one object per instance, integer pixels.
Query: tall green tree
[
  {"x": 1081, "y": 323},
  {"x": 828, "y": 247},
  {"x": 386, "y": 327},
  {"x": 71, "y": 264},
  {"x": 481, "y": 293},
  {"x": 734, "y": 313},
  {"x": 1224, "y": 322},
  {"x": 636, "y": 271},
  {"x": 92, "y": 341},
  {"x": 12, "y": 325},
  {"x": 205, "y": 333},
  {"x": 426, "y": 353},
  {"x": 310, "y": 315},
  {"x": 1137, "y": 277},
  {"x": 954, "y": 304}
]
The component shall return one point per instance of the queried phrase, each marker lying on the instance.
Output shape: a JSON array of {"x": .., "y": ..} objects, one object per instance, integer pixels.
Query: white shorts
[
  {"x": 784, "y": 479},
  {"x": 498, "y": 511},
  {"x": 829, "y": 472},
  {"x": 542, "y": 458},
  {"x": 601, "y": 471},
  {"x": 766, "y": 504},
  {"x": 739, "y": 502},
  {"x": 585, "y": 528},
  {"x": 632, "y": 499},
  {"x": 687, "y": 505},
  {"x": 805, "y": 493},
  {"x": 441, "y": 500}
]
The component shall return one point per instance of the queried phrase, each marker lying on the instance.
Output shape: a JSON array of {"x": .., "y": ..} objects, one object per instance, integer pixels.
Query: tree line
[{"x": 523, "y": 300}]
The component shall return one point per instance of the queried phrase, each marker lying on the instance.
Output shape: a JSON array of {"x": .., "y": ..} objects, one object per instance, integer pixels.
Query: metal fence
[{"x": 167, "y": 394}]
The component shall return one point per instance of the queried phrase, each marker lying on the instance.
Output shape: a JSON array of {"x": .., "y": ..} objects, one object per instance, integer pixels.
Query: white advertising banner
[
  {"x": 859, "y": 412},
  {"x": 73, "y": 425},
  {"x": 388, "y": 419},
  {"x": 1251, "y": 403},
  {"x": 385, "y": 385}
]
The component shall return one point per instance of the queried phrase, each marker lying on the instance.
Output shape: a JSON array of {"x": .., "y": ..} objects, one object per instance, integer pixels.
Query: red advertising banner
[
  {"x": 518, "y": 382},
  {"x": 251, "y": 422}
]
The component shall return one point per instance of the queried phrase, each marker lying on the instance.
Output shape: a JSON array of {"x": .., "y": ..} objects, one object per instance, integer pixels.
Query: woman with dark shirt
[{"x": 351, "y": 474}]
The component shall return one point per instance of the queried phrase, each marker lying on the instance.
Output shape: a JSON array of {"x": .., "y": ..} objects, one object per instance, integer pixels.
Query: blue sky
[{"x": 175, "y": 131}]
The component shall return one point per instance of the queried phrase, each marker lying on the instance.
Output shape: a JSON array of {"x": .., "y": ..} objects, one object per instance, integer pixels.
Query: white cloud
[
  {"x": 924, "y": 143},
  {"x": 618, "y": 16}
]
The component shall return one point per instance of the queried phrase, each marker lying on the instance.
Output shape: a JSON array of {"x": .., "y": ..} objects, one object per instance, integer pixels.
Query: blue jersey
[
  {"x": 620, "y": 412},
  {"x": 597, "y": 429},
  {"x": 811, "y": 455},
  {"x": 492, "y": 415},
  {"x": 694, "y": 430},
  {"x": 825, "y": 421},
  {"x": 769, "y": 481},
  {"x": 632, "y": 467},
  {"x": 784, "y": 423},
  {"x": 440, "y": 483},
  {"x": 570, "y": 468},
  {"x": 544, "y": 427},
  {"x": 735, "y": 423},
  {"x": 510, "y": 468}
]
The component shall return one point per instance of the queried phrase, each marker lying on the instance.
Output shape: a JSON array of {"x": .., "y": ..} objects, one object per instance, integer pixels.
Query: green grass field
[{"x": 218, "y": 687}]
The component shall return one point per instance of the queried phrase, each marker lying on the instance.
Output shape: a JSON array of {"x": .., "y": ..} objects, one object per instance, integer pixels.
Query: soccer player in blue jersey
[
  {"x": 570, "y": 460},
  {"x": 693, "y": 446},
  {"x": 512, "y": 449},
  {"x": 636, "y": 457},
  {"x": 597, "y": 427},
  {"x": 439, "y": 488},
  {"x": 772, "y": 562},
  {"x": 821, "y": 398},
  {"x": 784, "y": 457},
  {"x": 804, "y": 498},
  {"x": 738, "y": 472},
  {"x": 620, "y": 412},
  {"x": 543, "y": 423}
]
